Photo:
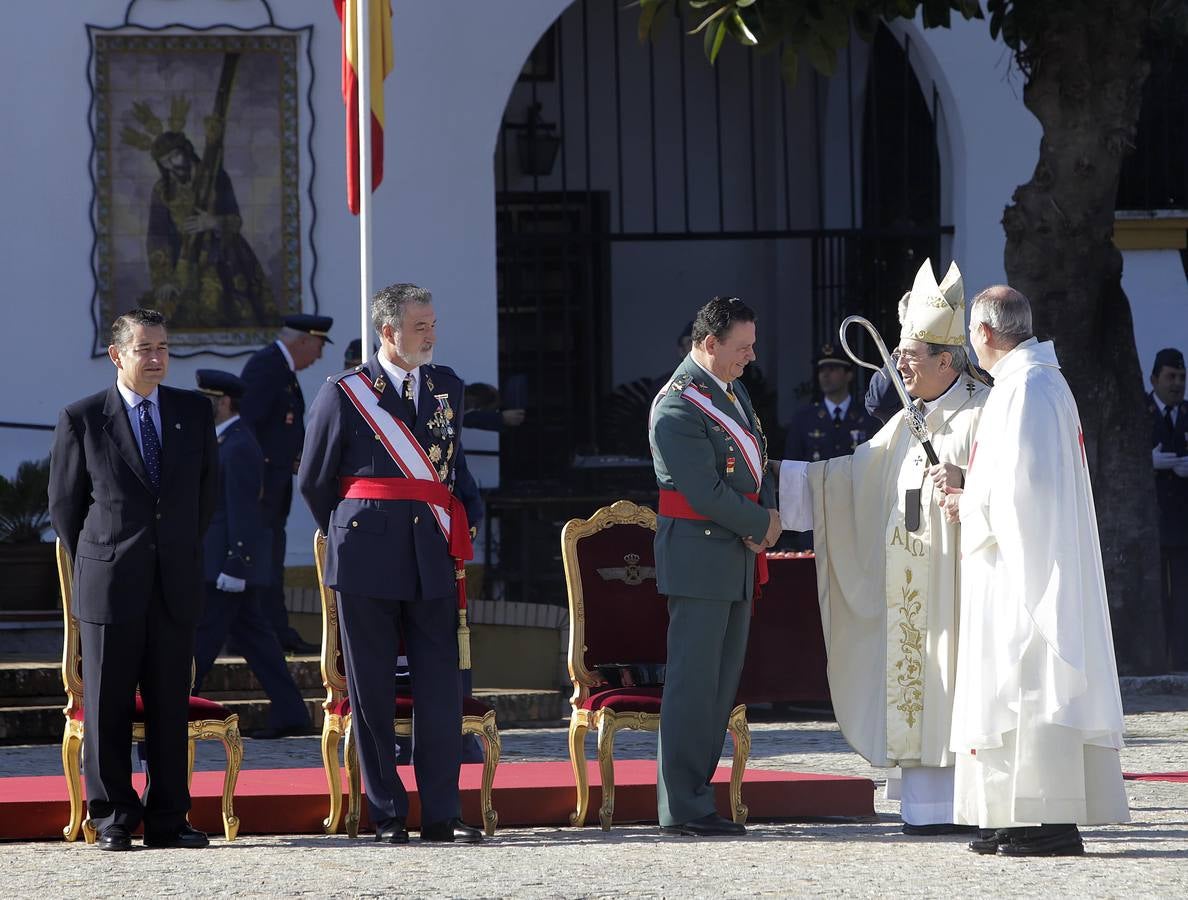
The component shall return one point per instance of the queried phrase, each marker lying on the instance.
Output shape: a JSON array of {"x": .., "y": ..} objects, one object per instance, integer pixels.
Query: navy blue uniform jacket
[
  {"x": 274, "y": 408},
  {"x": 106, "y": 513},
  {"x": 1171, "y": 491},
  {"x": 382, "y": 548},
  {"x": 238, "y": 543},
  {"x": 814, "y": 435}
]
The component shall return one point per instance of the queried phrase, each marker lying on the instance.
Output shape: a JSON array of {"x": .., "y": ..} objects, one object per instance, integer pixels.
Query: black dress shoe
[
  {"x": 302, "y": 646},
  {"x": 451, "y": 831},
  {"x": 937, "y": 828},
  {"x": 391, "y": 832},
  {"x": 989, "y": 840},
  {"x": 712, "y": 825},
  {"x": 183, "y": 836},
  {"x": 114, "y": 837},
  {"x": 1045, "y": 840}
]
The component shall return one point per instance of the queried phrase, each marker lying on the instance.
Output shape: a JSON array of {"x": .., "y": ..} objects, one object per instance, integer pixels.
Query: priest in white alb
[
  {"x": 888, "y": 561},
  {"x": 1037, "y": 721}
]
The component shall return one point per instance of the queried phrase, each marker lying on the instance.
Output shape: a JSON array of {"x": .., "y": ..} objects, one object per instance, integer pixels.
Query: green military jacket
[{"x": 699, "y": 458}]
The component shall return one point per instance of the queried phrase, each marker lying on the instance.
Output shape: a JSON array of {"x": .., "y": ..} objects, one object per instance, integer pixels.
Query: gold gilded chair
[
  {"x": 477, "y": 718},
  {"x": 207, "y": 721},
  {"x": 618, "y": 629}
]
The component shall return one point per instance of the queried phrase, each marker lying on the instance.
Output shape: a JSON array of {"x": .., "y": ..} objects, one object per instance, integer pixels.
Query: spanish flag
[{"x": 380, "y": 21}]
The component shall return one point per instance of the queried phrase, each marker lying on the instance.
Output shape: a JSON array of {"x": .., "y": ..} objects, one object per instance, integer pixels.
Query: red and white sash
[
  {"x": 747, "y": 442},
  {"x": 405, "y": 450}
]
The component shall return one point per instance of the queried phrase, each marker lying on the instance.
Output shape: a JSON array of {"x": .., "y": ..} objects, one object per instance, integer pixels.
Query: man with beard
[{"x": 380, "y": 472}]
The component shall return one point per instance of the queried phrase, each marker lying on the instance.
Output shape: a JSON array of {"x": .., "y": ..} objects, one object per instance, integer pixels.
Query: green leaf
[
  {"x": 790, "y": 66},
  {"x": 821, "y": 57},
  {"x": 712, "y": 17},
  {"x": 740, "y": 29},
  {"x": 719, "y": 38}
]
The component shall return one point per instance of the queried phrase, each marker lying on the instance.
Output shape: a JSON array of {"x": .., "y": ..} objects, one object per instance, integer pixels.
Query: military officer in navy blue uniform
[
  {"x": 1169, "y": 454},
  {"x": 830, "y": 427},
  {"x": 834, "y": 425},
  {"x": 389, "y": 560},
  {"x": 274, "y": 409},
  {"x": 237, "y": 556}
]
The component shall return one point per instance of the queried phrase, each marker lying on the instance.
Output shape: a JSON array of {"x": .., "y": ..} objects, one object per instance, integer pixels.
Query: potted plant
[{"x": 28, "y": 575}]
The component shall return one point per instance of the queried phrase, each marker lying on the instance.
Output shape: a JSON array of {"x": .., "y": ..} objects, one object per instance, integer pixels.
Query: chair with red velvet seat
[
  {"x": 207, "y": 721},
  {"x": 477, "y": 718},
  {"x": 618, "y": 630}
]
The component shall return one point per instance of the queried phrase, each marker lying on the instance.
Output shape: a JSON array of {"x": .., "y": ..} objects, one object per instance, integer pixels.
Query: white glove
[
  {"x": 1162, "y": 460},
  {"x": 230, "y": 583},
  {"x": 1181, "y": 466}
]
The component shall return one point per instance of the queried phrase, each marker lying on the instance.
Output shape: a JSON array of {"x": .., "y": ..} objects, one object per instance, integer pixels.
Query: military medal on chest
[{"x": 441, "y": 424}]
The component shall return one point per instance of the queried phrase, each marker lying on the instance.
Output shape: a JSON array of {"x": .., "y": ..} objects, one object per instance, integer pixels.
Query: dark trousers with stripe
[
  {"x": 707, "y": 643},
  {"x": 372, "y": 630}
]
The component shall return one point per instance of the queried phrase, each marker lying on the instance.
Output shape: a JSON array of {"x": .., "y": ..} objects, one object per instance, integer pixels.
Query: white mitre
[{"x": 935, "y": 313}]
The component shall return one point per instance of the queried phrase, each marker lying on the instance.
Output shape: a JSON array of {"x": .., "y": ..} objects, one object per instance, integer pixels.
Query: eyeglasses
[{"x": 911, "y": 356}]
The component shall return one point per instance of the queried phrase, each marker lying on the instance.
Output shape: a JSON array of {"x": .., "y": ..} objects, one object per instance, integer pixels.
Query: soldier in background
[
  {"x": 237, "y": 555},
  {"x": 1169, "y": 426},
  {"x": 274, "y": 408},
  {"x": 830, "y": 427}
]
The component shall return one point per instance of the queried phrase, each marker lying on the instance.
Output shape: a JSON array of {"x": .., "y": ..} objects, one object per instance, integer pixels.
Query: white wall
[
  {"x": 1158, "y": 291},
  {"x": 455, "y": 64}
]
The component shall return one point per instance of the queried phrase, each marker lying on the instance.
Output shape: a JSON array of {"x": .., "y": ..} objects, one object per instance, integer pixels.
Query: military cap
[
  {"x": 318, "y": 326},
  {"x": 829, "y": 356},
  {"x": 217, "y": 383},
  {"x": 1169, "y": 357}
]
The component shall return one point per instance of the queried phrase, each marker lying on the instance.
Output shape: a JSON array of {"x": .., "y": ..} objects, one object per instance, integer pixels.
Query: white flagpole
[{"x": 363, "y": 75}]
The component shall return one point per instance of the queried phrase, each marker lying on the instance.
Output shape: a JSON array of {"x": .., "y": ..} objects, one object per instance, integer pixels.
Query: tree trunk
[{"x": 1085, "y": 78}]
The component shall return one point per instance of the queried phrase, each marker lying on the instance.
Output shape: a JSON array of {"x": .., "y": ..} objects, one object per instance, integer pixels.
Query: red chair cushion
[
  {"x": 200, "y": 708},
  {"x": 404, "y": 706},
  {"x": 626, "y": 619},
  {"x": 645, "y": 700}
]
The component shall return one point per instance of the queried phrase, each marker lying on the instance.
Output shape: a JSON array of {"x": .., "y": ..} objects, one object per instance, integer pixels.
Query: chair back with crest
[
  {"x": 616, "y": 615},
  {"x": 333, "y": 666},
  {"x": 72, "y": 643}
]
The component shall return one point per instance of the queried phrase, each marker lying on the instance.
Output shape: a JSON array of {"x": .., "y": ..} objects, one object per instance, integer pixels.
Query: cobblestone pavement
[{"x": 1146, "y": 858}]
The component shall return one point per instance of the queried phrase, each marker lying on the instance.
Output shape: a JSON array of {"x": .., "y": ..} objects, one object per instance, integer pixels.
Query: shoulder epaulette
[
  {"x": 334, "y": 379},
  {"x": 680, "y": 382}
]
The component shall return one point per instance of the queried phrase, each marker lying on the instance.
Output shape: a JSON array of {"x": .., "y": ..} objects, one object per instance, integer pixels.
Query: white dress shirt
[
  {"x": 396, "y": 376},
  {"x": 219, "y": 429},
  {"x": 726, "y": 389},
  {"x": 287, "y": 355},
  {"x": 830, "y": 406},
  {"x": 131, "y": 401}
]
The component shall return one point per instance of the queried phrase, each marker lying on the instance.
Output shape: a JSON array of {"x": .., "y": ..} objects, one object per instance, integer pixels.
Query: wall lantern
[{"x": 537, "y": 143}]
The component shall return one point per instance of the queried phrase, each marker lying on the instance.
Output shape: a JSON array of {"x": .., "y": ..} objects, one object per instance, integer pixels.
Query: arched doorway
[{"x": 634, "y": 182}]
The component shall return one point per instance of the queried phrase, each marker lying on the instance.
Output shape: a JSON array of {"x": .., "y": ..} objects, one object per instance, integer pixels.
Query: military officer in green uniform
[{"x": 717, "y": 516}]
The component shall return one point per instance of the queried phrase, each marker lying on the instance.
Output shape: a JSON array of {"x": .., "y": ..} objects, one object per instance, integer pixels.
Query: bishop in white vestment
[
  {"x": 888, "y": 562},
  {"x": 1038, "y": 718}
]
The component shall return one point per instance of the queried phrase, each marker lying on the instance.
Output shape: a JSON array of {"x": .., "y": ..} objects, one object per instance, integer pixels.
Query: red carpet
[
  {"x": 1155, "y": 776},
  {"x": 293, "y": 801}
]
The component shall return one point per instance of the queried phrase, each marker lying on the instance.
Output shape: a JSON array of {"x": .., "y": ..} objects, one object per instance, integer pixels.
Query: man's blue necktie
[{"x": 150, "y": 444}]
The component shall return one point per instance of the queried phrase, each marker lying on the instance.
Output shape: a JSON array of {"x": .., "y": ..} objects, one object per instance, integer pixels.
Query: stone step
[{"x": 42, "y": 723}]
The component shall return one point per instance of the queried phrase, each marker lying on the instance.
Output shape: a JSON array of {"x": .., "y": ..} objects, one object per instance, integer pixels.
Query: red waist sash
[
  {"x": 674, "y": 505},
  {"x": 434, "y": 492}
]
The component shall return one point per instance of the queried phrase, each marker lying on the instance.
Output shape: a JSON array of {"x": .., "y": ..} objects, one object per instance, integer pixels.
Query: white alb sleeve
[{"x": 796, "y": 500}]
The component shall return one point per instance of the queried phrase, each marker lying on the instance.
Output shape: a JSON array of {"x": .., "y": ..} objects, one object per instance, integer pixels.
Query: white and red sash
[
  {"x": 405, "y": 450},
  {"x": 747, "y": 442}
]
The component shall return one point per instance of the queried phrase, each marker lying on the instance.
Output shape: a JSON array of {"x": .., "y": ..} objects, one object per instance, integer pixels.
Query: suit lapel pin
[
  {"x": 429, "y": 381},
  {"x": 379, "y": 384}
]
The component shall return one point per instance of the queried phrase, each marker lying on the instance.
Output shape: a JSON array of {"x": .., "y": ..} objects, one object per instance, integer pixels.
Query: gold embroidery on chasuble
[{"x": 907, "y": 582}]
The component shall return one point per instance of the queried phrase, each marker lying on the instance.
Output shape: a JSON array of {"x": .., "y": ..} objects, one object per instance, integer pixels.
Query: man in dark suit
[
  {"x": 1169, "y": 454},
  {"x": 237, "y": 555},
  {"x": 716, "y": 515},
  {"x": 380, "y": 472},
  {"x": 274, "y": 408},
  {"x": 133, "y": 482}
]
